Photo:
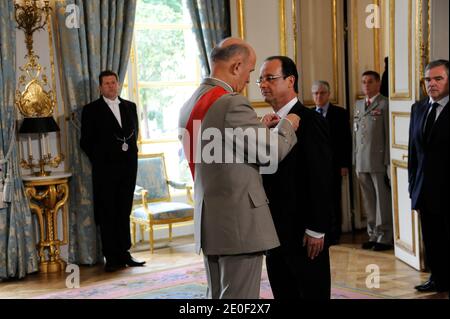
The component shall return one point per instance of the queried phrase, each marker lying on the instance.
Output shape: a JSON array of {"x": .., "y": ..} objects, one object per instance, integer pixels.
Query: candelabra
[{"x": 41, "y": 126}]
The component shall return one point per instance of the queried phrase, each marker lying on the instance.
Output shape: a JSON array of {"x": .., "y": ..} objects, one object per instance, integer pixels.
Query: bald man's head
[
  {"x": 229, "y": 48},
  {"x": 232, "y": 61}
]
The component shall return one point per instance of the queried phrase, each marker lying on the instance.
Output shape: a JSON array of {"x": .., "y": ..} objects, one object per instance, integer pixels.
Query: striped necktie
[{"x": 320, "y": 110}]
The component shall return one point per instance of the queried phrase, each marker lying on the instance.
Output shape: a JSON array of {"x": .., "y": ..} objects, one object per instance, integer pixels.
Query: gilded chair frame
[{"x": 150, "y": 222}]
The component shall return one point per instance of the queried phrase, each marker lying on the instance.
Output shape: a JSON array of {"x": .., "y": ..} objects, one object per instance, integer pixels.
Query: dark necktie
[
  {"x": 430, "y": 121},
  {"x": 320, "y": 110}
]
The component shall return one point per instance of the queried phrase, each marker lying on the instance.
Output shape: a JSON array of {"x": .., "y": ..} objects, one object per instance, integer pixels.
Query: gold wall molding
[
  {"x": 394, "y": 95},
  {"x": 335, "y": 52},
  {"x": 394, "y": 130},
  {"x": 376, "y": 46},
  {"x": 429, "y": 30},
  {"x": 422, "y": 48},
  {"x": 355, "y": 47},
  {"x": 335, "y": 65},
  {"x": 294, "y": 28},
  {"x": 240, "y": 11},
  {"x": 61, "y": 82},
  {"x": 411, "y": 249},
  {"x": 282, "y": 27},
  {"x": 52, "y": 64},
  {"x": 50, "y": 27},
  {"x": 376, "y": 42},
  {"x": 240, "y": 18},
  {"x": 355, "y": 32}
]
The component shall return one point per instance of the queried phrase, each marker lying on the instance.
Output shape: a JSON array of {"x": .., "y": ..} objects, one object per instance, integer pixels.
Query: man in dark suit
[
  {"x": 109, "y": 130},
  {"x": 428, "y": 172},
  {"x": 299, "y": 192},
  {"x": 341, "y": 142}
]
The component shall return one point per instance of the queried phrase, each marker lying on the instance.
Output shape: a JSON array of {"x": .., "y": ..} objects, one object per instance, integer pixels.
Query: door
[{"x": 406, "y": 63}]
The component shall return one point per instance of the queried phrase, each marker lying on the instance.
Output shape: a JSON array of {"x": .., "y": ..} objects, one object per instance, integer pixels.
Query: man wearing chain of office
[{"x": 109, "y": 131}]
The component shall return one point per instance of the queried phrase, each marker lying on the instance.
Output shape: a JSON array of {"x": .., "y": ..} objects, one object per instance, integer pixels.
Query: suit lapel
[
  {"x": 123, "y": 116},
  {"x": 443, "y": 116},
  {"x": 423, "y": 117},
  {"x": 329, "y": 112},
  {"x": 295, "y": 109}
]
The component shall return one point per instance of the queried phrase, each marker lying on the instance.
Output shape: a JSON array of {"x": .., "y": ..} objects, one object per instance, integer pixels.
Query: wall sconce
[{"x": 31, "y": 15}]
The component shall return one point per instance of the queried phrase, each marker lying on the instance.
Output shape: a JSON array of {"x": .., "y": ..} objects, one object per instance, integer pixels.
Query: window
[{"x": 163, "y": 72}]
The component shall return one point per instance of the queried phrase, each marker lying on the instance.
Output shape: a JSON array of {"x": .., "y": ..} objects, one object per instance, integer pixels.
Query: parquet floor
[{"x": 348, "y": 268}]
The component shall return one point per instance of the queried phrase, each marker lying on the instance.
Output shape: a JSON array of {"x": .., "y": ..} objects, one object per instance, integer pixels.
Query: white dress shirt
[
  {"x": 282, "y": 113},
  {"x": 114, "y": 107},
  {"x": 287, "y": 108}
]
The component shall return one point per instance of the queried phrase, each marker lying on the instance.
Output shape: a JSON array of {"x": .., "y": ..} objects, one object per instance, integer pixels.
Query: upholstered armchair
[{"x": 152, "y": 200}]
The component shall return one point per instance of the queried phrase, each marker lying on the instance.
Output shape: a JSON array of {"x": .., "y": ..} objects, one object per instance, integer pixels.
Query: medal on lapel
[{"x": 124, "y": 147}]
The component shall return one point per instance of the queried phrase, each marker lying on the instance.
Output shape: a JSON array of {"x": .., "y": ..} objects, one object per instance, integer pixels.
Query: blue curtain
[
  {"x": 18, "y": 255},
  {"x": 211, "y": 24},
  {"x": 94, "y": 35}
]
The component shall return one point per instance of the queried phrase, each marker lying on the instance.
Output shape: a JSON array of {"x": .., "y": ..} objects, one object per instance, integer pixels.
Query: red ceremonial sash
[{"x": 198, "y": 113}]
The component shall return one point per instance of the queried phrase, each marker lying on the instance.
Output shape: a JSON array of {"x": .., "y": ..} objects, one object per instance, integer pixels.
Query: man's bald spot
[{"x": 229, "y": 48}]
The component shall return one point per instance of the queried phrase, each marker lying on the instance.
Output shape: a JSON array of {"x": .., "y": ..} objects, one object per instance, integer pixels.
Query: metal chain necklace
[{"x": 124, "y": 140}]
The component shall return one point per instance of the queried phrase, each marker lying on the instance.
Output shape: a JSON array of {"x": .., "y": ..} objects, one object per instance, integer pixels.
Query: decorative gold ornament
[
  {"x": 33, "y": 100},
  {"x": 34, "y": 97},
  {"x": 31, "y": 15}
]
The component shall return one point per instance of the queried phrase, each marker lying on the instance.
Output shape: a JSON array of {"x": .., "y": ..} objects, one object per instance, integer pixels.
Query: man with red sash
[{"x": 233, "y": 225}]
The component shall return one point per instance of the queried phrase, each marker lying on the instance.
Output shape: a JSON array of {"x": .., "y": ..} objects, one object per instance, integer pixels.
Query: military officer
[{"x": 371, "y": 159}]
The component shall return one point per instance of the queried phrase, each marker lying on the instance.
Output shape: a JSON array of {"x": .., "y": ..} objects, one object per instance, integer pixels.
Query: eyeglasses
[{"x": 270, "y": 78}]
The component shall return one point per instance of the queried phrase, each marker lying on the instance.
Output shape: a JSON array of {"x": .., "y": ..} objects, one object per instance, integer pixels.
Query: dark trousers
[
  {"x": 113, "y": 200},
  {"x": 436, "y": 239},
  {"x": 295, "y": 276}
]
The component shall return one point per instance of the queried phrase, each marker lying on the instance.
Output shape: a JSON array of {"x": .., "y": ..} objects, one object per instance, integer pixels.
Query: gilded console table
[{"x": 47, "y": 196}]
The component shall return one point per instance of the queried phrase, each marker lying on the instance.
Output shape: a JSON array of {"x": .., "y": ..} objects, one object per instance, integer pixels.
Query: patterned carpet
[{"x": 180, "y": 283}]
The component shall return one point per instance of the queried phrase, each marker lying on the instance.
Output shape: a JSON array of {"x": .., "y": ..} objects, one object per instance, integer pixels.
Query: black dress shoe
[
  {"x": 368, "y": 245},
  {"x": 131, "y": 262},
  {"x": 381, "y": 247},
  {"x": 427, "y": 286}
]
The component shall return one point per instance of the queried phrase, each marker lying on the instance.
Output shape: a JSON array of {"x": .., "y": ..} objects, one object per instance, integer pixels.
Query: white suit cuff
[{"x": 314, "y": 234}]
